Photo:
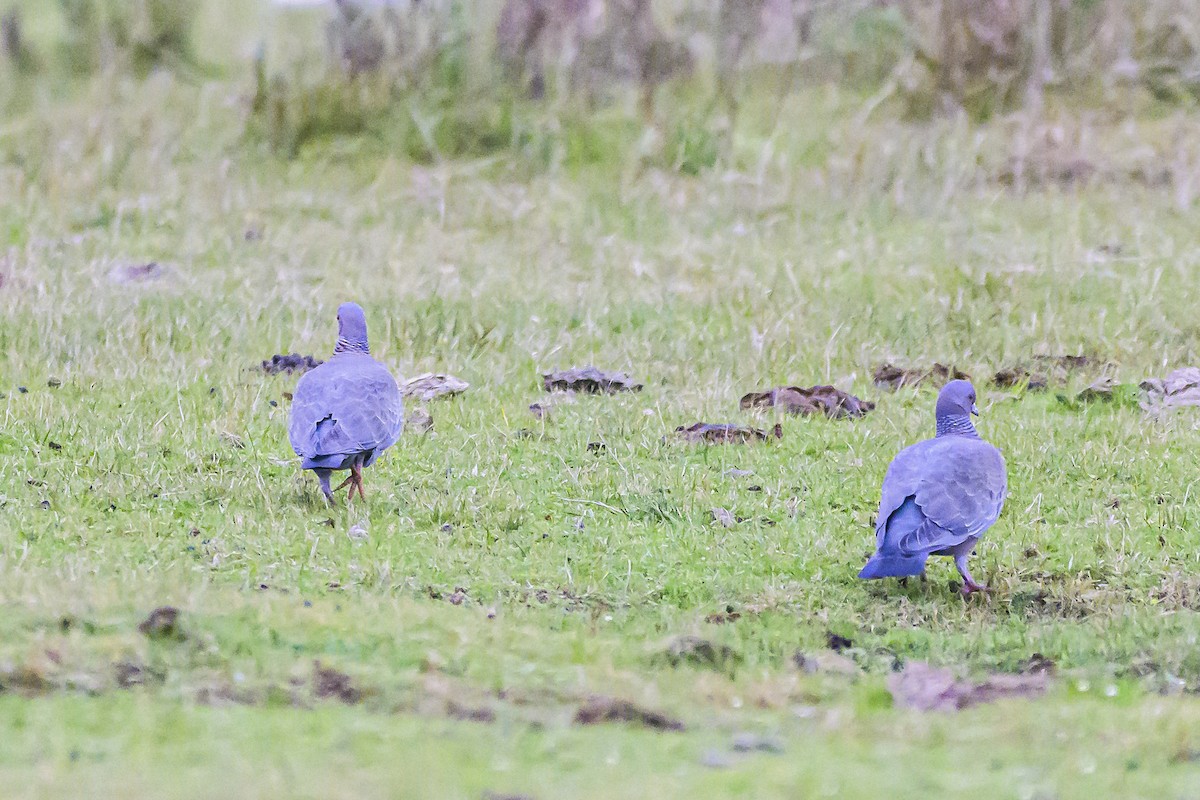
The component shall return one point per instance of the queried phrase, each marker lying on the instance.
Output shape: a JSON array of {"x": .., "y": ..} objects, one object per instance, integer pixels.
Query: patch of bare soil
[
  {"x": 924, "y": 687},
  {"x": 826, "y": 400},
  {"x": 589, "y": 380},
  {"x": 597, "y": 710}
]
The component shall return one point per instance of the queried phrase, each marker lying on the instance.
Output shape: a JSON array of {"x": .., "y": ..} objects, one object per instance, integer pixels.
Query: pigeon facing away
[
  {"x": 346, "y": 411},
  {"x": 939, "y": 495}
]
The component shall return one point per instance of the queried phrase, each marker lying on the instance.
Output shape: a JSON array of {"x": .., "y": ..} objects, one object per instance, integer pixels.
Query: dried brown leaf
[
  {"x": 713, "y": 433},
  {"x": 589, "y": 380},
  {"x": 827, "y": 400},
  {"x": 892, "y": 377},
  {"x": 1178, "y": 390},
  {"x": 430, "y": 385}
]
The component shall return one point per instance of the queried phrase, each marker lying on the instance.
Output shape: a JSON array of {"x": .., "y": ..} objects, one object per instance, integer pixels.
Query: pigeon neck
[
  {"x": 956, "y": 425},
  {"x": 348, "y": 346}
]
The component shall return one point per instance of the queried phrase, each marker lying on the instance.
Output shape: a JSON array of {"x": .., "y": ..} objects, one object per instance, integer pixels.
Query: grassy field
[{"x": 439, "y": 639}]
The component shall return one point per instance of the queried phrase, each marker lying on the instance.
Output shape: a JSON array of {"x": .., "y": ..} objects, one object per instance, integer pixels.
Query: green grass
[{"x": 822, "y": 249}]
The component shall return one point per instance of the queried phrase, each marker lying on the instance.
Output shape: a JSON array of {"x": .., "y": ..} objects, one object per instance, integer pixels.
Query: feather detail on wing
[
  {"x": 939, "y": 493},
  {"x": 350, "y": 404}
]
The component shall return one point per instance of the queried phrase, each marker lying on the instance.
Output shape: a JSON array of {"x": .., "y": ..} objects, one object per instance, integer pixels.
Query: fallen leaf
[
  {"x": 598, "y": 710},
  {"x": 726, "y": 433},
  {"x": 1179, "y": 389},
  {"x": 163, "y": 623},
  {"x": 833, "y": 403},
  {"x": 289, "y": 363},
  {"x": 430, "y": 385},
  {"x": 328, "y": 683},
  {"x": 927, "y": 688},
  {"x": 589, "y": 380},
  {"x": 892, "y": 377}
]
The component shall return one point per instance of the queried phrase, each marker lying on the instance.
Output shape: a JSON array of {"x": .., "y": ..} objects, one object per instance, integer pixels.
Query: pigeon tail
[
  {"x": 893, "y": 565},
  {"x": 334, "y": 461}
]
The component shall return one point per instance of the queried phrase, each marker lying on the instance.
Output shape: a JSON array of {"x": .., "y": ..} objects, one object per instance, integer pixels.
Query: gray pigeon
[
  {"x": 939, "y": 495},
  {"x": 346, "y": 411}
]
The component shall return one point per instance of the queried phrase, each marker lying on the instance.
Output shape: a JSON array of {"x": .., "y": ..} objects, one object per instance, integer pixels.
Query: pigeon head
[
  {"x": 955, "y": 405},
  {"x": 352, "y": 330}
]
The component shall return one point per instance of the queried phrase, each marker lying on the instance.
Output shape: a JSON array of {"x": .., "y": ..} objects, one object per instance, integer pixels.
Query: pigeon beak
[{"x": 974, "y": 409}]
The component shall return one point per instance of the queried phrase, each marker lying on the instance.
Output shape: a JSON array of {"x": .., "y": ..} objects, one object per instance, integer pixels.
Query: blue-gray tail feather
[{"x": 893, "y": 566}]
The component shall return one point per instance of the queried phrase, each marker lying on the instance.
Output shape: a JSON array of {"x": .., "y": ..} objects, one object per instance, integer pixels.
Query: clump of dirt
[
  {"x": 330, "y": 683},
  {"x": 927, "y": 688},
  {"x": 589, "y": 380},
  {"x": 1178, "y": 390},
  {"x": 699, "y": 652},
  {"x": 289, "y": 363},
  {"x": 1038, "y": 664},
  {"x": 836, "y": 642},
  {"x": 892, "y": 377},
  {"x": 430, "y": 385},
  {"x": 163, "y": 624},
  {"x": 827, "y": 400},
  {"x": 598, "y": 709},
  {"x": 725, "y": 433}
]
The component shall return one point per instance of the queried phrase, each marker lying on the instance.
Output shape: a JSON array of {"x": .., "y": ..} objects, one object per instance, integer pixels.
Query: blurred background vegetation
[{"x": 666, "y": 82}]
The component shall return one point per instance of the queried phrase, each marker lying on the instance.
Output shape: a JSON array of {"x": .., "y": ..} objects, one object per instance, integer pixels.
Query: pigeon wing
[
  {"x": 350, "y": 404},
  {"x": 939, "y": 493}
]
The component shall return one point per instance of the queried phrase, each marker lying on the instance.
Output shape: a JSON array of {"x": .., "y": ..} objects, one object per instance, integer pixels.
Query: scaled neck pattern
[
  {"x": 347, "y": 346},
  {"x": 956, "y": 425}
]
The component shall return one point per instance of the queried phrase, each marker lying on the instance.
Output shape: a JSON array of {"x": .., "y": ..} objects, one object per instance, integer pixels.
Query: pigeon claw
[
  {"x": 354, "y": 481},
  {"x": 969, "y": 587}
]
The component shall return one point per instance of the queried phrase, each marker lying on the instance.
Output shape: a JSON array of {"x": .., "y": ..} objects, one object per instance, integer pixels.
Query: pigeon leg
[
  {"x": 348, "y": 482},
  {"x": 323, "y": 477},
  {"x": 969, "y": 584},
  {"x": 356, "y": 481}
]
